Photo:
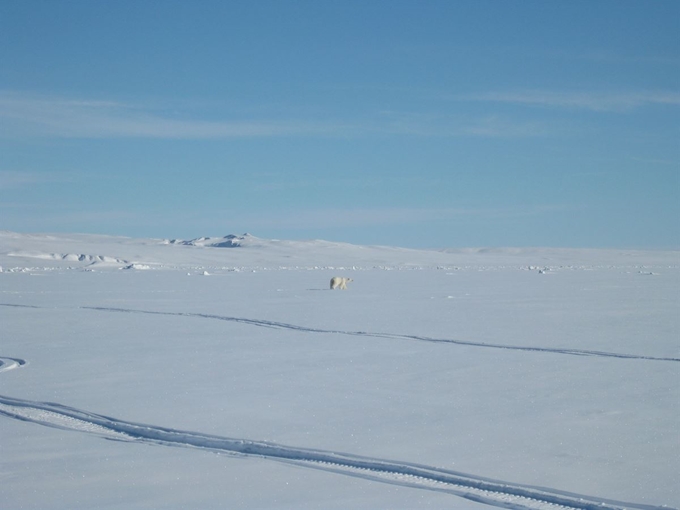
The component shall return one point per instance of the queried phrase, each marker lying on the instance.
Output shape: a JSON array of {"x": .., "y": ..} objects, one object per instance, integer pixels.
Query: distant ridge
[{"x": 72, "y": 251}]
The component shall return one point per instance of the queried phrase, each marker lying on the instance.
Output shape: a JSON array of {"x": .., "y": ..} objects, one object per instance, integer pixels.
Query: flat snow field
[{"x": 418, "y": 387}]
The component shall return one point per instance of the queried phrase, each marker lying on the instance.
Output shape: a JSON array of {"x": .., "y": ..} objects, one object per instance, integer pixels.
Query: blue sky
[{"x": 411, "y": 123}]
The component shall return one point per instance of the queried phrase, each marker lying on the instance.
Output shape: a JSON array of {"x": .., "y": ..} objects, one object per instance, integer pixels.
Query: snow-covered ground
[{"x": 222, "y": 373}]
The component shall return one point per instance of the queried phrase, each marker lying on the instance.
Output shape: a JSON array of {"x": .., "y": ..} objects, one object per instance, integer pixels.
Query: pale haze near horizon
[{"x": 418, "y": 124}]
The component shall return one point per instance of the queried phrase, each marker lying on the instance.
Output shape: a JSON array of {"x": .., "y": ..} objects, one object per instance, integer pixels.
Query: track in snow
[
  {"x": 305, "y": 329},
  {"x": 483, "y": 490},
  {"x": 11, "y": 363},
  {"x": 283, "y": 325},
  {"x": 475, "y": 488}
]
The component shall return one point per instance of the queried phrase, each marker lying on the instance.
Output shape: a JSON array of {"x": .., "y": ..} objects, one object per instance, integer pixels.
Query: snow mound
[
  {"x": 70, "y": 257},
  {"x": 229, "y": 241},
  {"x": 140, "y": 267}
]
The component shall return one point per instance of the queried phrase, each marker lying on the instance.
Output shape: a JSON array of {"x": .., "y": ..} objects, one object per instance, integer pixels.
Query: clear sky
[{"x": 411, "y": 123}]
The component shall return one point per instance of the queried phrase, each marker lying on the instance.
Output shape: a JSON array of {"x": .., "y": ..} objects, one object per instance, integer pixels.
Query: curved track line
[
  {"x": 283, "y": 325},
  {"x": 483, "y": 490},
  {"x": 11, "y": 363}
]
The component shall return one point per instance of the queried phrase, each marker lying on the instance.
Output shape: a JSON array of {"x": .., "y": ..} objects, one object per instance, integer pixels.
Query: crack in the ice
[{"x": 483, "y": 490}]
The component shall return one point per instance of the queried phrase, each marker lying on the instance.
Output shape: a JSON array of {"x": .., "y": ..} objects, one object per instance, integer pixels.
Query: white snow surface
[{"x": 468, "y": 378}]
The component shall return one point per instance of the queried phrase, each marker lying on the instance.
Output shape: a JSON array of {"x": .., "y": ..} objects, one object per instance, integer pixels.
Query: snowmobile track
[
  {"x": 283, "y": 325},
  {"x": 11, "y": 363},
  {"x": 483, "y": 490}
]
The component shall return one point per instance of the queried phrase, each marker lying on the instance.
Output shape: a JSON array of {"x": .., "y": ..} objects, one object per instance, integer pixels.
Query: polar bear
[{"x": 338, "y": 282}]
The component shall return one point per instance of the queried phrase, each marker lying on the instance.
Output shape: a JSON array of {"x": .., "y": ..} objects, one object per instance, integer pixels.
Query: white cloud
[
  {"x": 24, "y": 115},
  {"x": 67, "y": 118},
  {"x": 439, "y": 125},
  {"x": 12, "y": 179},
  {"x": 599, "y": 102}
]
